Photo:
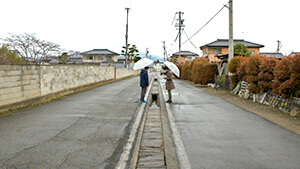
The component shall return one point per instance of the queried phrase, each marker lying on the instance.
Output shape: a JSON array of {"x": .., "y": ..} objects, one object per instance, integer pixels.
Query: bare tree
[{"x": 28, "y": 46}]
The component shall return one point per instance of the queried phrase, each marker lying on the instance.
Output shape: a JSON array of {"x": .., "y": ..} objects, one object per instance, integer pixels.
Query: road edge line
[
  {"x": 124, "y": 158},
  {"x": 184, "y": 162}
]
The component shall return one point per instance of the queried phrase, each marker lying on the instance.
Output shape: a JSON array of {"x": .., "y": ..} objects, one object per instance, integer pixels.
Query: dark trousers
[
  {"x": 143, "y": 93},
  {"x": 170, "y": 95}
]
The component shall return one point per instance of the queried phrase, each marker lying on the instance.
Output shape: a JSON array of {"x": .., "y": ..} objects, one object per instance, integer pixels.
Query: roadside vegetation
[
  {"x": 267, "y": 74},
  {"x": 199, "y": 71}
]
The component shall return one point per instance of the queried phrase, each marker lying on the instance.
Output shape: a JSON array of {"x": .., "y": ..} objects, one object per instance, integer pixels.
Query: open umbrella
[
  {"x": 173, "y": 68},
  {"x": 142, "y": 63}
]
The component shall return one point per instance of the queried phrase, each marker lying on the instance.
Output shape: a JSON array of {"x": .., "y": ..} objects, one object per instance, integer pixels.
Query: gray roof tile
[
  {"x": 225, "y": 43},
  {"x": 99, "y": 52},
  {"x": 271, "y": 55},
  {"x": 185, "y": 53}
]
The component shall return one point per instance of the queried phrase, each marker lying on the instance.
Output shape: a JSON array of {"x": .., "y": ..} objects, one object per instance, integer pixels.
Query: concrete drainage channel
[
  {"x": 154, "y": 146},
  {"x": 154, "y": 136}
]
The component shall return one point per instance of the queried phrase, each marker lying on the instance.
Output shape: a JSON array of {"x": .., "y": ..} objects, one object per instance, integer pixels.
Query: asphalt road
[
  {"x": 220, "y": 135},
  {"x": 84, "y": 130}
]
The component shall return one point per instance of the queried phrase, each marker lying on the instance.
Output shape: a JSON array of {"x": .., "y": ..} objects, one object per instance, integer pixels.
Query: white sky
[{"x": 84, "y": 25}]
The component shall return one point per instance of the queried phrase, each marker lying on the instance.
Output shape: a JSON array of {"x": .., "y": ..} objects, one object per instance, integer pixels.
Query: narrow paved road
[
  {"x": 79, "y": 131},
  {"x": 217, "y": 134}
]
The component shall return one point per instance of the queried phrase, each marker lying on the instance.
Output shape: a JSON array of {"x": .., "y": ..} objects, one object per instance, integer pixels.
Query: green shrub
[{"x": 9, "y": 57}]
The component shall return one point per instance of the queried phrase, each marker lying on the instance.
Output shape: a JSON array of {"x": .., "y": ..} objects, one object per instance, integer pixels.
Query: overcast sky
[{"x": 82, "y": 25}]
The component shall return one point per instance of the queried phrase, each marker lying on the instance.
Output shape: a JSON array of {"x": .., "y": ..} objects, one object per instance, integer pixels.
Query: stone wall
[{"x": 19, "y": 83}]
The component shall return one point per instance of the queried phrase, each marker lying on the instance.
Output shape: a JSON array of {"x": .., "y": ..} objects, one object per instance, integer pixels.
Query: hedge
[
  {"x": 200, "y": 71},
  {"x": 264, "y": 74}
]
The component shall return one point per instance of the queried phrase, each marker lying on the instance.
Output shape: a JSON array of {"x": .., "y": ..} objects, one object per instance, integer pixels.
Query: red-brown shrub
[
  {"x": 241, "y": 68},
  {"x": 266, "y": 74},
  {"x": 282, "y": 77},
  {"x": 180, "y": 70},
  {"x": 185, "y": 71},
  {"x": 203, "y": 71},
  {"x": 287, "y": 76},
  {"x": 232, "y": 67},
  {"x": 197, "y": 69},
  {"x": 234, "y": 80},
  {"x": 208, "y": 74},
  {"x": 190, "y": 76},
  {"x": 252, "y": 71}
]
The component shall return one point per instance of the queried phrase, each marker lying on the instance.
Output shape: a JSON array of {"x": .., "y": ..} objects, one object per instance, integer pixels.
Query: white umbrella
[
  {"x": 142, "y": 63},
  {"x": 173, "y": 68}
]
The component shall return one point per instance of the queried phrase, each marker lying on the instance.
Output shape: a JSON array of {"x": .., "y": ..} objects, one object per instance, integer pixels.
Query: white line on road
[
  {"x": 184, "y": 162},
  {"x": 129, "y": 145}
]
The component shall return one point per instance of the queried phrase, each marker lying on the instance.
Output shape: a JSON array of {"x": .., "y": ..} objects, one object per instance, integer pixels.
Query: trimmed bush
[
  {"x": 241, "y": 69},
  {"x": 203, "y": 72},
  {"x": 232, "y": 67},
  {"x": 190, "y": 76},
  {"x": 282, "y": 76},
  {"x": 197, "y": 70},
  {"x": 287, "y": 76},
  {"x": 180, "y": 70},
  {"x": 295, "y": 75},
  {"x": 185, "y": 71},
  {"x": 252, "y": 71},
  {"x": 266, "y": 74}
]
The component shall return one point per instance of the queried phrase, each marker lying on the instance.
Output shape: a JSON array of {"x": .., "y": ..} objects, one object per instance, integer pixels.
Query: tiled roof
[
  {"x": 294, "y": 53},
  {"x": 185, "y": 53},
  {"x": 271, "y": 55},
  {"x": 225, "y": 43},
  {"x": 99, "y": 52}
]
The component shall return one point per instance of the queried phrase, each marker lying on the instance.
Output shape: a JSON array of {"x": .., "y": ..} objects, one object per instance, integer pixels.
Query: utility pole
[
  {"x": 147, "y": 52},
  {"x": 164, "y": 47},
  {"x": 278, "y": 46},
  {"x": 230, "y": 56},
  {"x": 180, "y": 26},
  {"x": 126, "y": 37}
]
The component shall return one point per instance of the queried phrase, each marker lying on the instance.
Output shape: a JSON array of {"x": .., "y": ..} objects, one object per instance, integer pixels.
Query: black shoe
[{"x": 169, "y": 101}]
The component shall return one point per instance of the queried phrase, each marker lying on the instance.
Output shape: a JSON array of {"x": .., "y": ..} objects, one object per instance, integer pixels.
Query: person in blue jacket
[{"x": 144, "y": 82}]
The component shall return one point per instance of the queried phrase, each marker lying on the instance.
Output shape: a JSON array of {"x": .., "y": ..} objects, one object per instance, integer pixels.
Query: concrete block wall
[
  {"x": 18, "y": 83},
  {"x": 123, "y": 72},
  {"x": 24, "y": 82}
]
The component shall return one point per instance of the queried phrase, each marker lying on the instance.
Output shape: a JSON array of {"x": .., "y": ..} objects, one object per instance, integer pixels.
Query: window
[
  {"x": 89, "y": 58},
  {"x": 100, "y": 58},
  {"x": 217, "y": 51},
  {"x": 252, "y": 51},
  {"x": 108, "y": 58}
]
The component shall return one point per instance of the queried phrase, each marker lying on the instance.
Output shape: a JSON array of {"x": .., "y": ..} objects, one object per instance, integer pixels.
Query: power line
[
  {"x": 189, "y": 39},
  {"x": 204, "y": 25}
]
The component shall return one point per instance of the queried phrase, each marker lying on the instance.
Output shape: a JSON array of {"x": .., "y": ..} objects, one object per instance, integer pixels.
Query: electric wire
[
  {"x": 204, "y": 25},
  {"x": 189, "y": 39}
]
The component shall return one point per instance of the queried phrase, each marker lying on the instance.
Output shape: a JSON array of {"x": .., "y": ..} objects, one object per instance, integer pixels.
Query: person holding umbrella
[
  {"x": 144, "y": 83},
  {"x": 169, "y": 83}
]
